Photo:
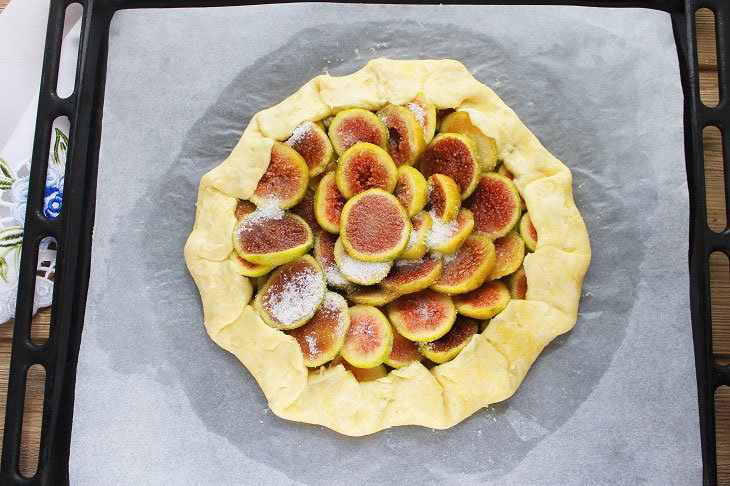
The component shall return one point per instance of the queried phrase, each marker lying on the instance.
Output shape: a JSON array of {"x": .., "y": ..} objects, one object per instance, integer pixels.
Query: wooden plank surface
[{"x": 720, "y": 281}]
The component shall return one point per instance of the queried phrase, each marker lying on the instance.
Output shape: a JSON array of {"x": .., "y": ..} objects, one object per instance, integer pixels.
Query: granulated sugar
[
  {"x": 419, "y": 113},
  {"x": 299, "y": 133},
  {"x": 441, "y": 232},
  {"x": 334, "y": 277},
  {"x": 266, "y": 212},
  {"x": 296, "y": 296},
  {"x": 363, "y": 271}
]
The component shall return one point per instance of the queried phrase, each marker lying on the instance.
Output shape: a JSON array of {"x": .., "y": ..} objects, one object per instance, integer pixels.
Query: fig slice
[
  {"x": 328, "y": 204},
  {"x": 359, "y": 272},
  {"x": 404, "y": 352},
  {"x": 374, "y": 227},
  {"x": 248, "y": 269},
  {"x": 448, "y": 237},
  {"x": 314, "y": 180},
  {"x": 517, "y": 283},
  {"x": 243, "y": 208},
  {"x": 411, "y": 190},
  {"x": 468, "y": 268},
  {"x": 456, "y": 156},
  {"x": 425, "y": 113},
  {"x": 509, "y": 175},
  {"x": 422, "y": 316},
  {"x": 271, "y": 237},
  {"x": 305, "y": 210},
  {"x": 405, "y": 135},
  {"x": 365, "y": 166},
  {"x": 459, "y": 122},
  {"x": 528, "y": 232},
  {"x": 450, "y": 345},
  {"x": 285, "y": 181},
  {"x": 417, "y": 242},
  {"x": 495, "y": 204},
  {"x": 355, "y": 125},
  {"x": 292, "y": 294},
  {"x": 361, "y": 374},
  {"x": 509, "y": 253},
  {"x": 374, "y": 295},
  {"x": 444, "y": 198},
  {"x": 485, "y": 302},
  {"x": 323, "y": 336},
  {"x": 408, "y": 276},
  {"x": 369, "y": 339},
  {"x": 324, "y": 253},
  {"x": 313, "y": 144}
]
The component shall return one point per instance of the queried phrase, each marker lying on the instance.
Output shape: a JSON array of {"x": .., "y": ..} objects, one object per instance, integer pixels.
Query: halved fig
[
  {"x": 374, "y": 295},
  {"x": 292, "y": 294},
  {"x": 517, "y": 283},
  {"x": 243, "y": 208},
  {"x": 305, "y": 209},
  {"x": 411, "y": 190},
  {"x": 485, "y": 302},
  {"x": 444, "y": 198},
  {"x": 418, "y": 240},
  {"x": 405, "y": 135},
  {"x": 448, "y": 346},
  {"x": 404, "y": 352},
  {"x": 323, "y": 336},
  {"x": 314, "y": 180},
  {"x": 459, "y": 122},
  {"x": 448, "y": 237},
  {"x": 328, "y": 204},
  {"x": 355, "y": 125},
  {"x": 422, "y": 316},
  {"x": 285, "y": 181},
  {"x": 509, "y": 253},
  {"x": 468, "y": 268},
  {"x": 369, "y": 339},
  {"x": 365, "y": 166},
  {"x": 271, "y": 237},
  {"x": 425, "y": 113},
  {"x": 313, "y": 144},
  {"x": 359, "y": 272},
  {"x": 408, "y": 276},
  {"x": 528, "y": 232},
  {"x": 374, "y": 226},
  {"x": 248, "y": 269},
  {"x": 361, "y": 374},
  {"x": 441, "y": 114},
  {"x": 324, "y": 253},
  {"x": 509, "y": 175},
  {"x": 456, "y": 156},
  {"x": 495, "y": 204}
]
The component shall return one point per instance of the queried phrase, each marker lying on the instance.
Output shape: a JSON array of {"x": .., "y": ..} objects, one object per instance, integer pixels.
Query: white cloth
[{"x": 22, "y": 35}]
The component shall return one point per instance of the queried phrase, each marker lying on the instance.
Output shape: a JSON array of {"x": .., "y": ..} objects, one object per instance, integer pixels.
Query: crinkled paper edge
[{"x": 494, "y": 363}]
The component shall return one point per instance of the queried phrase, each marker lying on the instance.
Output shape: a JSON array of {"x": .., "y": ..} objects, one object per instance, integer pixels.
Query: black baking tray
[{"x": 73, "y": 228}]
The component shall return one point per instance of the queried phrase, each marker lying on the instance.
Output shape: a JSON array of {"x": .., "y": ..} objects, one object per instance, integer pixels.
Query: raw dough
[{"x": 494, "y": 363}]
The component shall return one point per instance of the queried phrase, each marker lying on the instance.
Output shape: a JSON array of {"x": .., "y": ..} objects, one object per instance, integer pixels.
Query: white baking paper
[{"x": 612, "y": 402}]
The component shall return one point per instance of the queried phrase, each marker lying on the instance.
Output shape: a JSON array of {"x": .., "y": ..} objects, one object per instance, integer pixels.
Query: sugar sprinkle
[
  {"x": 363, "y": 271},
  {"x": 419, "y": 113},
  {"x": 441, "y": 232},
  {"x": 299, "y": 133},
  {"x": 297, "y": 297}
]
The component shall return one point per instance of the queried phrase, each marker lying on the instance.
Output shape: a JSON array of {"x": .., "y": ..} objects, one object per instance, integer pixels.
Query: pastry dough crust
[{"x": 494, "y": 363}]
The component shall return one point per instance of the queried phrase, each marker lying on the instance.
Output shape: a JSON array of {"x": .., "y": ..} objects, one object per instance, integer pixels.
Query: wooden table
[{"x": 720, "y": 284}]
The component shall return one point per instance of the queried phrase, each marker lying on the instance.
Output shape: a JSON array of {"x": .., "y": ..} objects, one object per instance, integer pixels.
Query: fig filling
[
  {"x": 262, "y": 235},
  {"x": 355, "y": 129},
  {"x": 364, "y": 254},
  {"x": 375, "y": 224}
]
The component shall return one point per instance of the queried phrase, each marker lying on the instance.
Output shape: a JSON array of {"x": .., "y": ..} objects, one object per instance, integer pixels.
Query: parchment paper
[{"x": 612, "y": 402}]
